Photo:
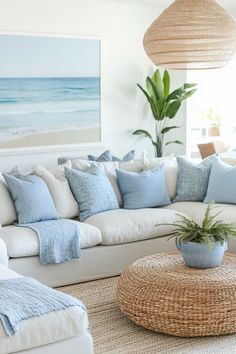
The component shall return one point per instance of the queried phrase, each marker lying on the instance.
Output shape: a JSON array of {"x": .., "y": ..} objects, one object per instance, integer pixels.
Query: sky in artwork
[{"x": 33, "y": 56}]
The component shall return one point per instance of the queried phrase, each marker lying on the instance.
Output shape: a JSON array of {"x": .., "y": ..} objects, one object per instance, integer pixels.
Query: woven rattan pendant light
[{"x": 191, "y": 34}]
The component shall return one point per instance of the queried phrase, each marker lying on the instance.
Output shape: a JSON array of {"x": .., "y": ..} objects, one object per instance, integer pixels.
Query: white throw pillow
[
  {"x": 132, "y": 166},
  {"x": 109, "y": 168},
  {"x": 171, "y": 171},
  {"x": 59, "y": 188},
  {"x": 7, "y": 207}
]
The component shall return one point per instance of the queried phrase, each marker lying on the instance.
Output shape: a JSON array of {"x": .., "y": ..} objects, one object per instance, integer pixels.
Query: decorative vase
[
  {"x": 213, "y": 131},
  {"x": 199, "y": 255}
]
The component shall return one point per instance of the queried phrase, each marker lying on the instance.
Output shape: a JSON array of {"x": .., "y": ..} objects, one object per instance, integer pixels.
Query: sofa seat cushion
[
  {"x": 23, "y": 242},
  {"x": 196, "y": 211},
  {"x": 125, "y": 225},
  {"x": 41, "y": 330}
]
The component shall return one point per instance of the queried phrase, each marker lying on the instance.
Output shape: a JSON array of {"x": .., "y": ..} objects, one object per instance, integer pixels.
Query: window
[{"x": 211, "y": 111}]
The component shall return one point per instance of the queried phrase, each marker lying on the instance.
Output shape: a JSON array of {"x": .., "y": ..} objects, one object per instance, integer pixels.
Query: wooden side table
[{"x": 160, "y": 293}]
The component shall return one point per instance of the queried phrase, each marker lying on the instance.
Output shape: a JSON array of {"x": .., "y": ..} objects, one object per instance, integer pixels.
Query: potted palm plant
[
  {"x": 202, "y": 246},
  {"x": 164, "y": 106}
]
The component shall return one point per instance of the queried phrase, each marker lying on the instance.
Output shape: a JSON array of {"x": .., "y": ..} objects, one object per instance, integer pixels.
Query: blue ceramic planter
[{"x": 199, "y": 255}]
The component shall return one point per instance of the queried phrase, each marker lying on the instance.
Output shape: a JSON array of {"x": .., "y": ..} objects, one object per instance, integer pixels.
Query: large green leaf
[
  {"x": 144, "y": 91},
  {"x": 143, "y": 132},
  {"x": 152, "y": 91},
  {"x": 166, "y": 83},
  {"x": 157, "y": 80},
  {"x": 159, "y": 102},
  {"x": 150, "y": 100},
  {"x": 172, "y": 109},
  {"x": 176, "y": 94},
  {"x": 187, "y": 86},
  {"x": 188, "y": 94},
  {"x": 174, "y": 142},
  {"x": 167, "y": 129}
]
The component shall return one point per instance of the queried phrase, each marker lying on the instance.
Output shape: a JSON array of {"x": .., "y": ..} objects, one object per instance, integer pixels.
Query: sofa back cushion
[
  {"x": 145, "y": 189},
  {"x": 32, "y": 199},
  {"x": 59, "y": 188},
  {"x": 7, "y": 207},
  {"x": 92, "y": 190}
]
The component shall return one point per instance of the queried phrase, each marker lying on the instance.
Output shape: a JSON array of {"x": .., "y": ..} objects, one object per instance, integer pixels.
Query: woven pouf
[{"x": 160, "y": 293}]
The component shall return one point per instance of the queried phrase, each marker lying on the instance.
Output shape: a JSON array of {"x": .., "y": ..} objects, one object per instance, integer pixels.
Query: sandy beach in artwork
[{"x": 57, "y": 137}]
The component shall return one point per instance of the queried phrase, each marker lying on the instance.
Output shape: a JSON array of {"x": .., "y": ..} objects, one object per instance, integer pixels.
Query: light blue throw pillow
[
  {"x": 32, "y": 199},
  {"x": 193, "y": 179},
  {"x": 92, "y": 190},
  {"x": 222, "y": 184},
  {"x": 146, "y": 189}
]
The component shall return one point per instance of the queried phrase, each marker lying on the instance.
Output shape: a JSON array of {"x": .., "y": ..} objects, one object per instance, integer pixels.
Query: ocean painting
[{"x": 50, "y": 94}]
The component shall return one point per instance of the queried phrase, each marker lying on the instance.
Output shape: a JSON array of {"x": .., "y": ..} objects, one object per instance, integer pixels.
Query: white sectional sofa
[
  {"x": 62, "y": 332},
  {"x": 109, "y": 240}
]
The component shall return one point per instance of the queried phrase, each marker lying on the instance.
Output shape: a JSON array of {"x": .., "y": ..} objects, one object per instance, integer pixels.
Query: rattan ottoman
[{"x": 160, "y": 293}]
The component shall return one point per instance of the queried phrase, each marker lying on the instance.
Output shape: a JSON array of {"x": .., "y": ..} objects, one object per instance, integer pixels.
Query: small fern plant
[{"x": 210, "y": 232}]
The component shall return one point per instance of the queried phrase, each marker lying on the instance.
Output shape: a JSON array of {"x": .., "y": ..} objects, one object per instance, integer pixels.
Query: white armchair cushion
[{"x": 3, "y": 253}]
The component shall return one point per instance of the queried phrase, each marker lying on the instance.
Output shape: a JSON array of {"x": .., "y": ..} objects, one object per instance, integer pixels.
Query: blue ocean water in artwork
[{"x": 35, "y": 105}]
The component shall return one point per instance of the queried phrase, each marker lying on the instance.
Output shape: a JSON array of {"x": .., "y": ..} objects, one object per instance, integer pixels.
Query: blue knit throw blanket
[
  {"x": 24, "y": 298},
  {"x": 58, "y": 240}
]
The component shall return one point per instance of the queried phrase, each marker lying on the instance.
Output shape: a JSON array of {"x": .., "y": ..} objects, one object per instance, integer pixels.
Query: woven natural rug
[{"x": 113, "y": 333}]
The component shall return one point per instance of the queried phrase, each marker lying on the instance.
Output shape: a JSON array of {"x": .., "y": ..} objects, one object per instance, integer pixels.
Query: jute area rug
[{"x": 113, "y": 333}]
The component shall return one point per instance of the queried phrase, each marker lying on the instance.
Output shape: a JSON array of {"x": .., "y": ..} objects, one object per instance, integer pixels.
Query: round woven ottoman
[{"x": 160, "y": 293}]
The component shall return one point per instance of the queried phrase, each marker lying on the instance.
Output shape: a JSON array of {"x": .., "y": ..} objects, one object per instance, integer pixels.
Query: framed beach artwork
[{"x": 49, "y": 91}]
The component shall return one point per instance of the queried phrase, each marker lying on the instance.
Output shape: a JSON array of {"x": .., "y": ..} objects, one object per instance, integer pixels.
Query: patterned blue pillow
[
  {"x": 146, "y": 189},
  {"x": 92, "y": 190},
  {"x": 193, "y": 179},
  {"x": 32, "y": 199}
]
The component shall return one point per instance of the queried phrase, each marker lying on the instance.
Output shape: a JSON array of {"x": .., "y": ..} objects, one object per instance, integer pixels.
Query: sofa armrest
[{"x": 3, "y": 253}]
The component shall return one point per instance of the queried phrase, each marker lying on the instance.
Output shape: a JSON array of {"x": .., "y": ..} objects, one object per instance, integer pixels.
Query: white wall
[{"x": 124, "y": 63}]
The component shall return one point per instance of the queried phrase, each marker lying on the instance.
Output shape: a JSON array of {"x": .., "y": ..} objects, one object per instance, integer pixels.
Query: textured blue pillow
[
  {"x": 146, "y": 189},
  {"x": 193, "y": 179},
  {"x": 32, "y": 199},
  {"x": 92, "y": 190},
  {"x": 222, "y": 183},
  {"x": 104, "y": 157}
]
